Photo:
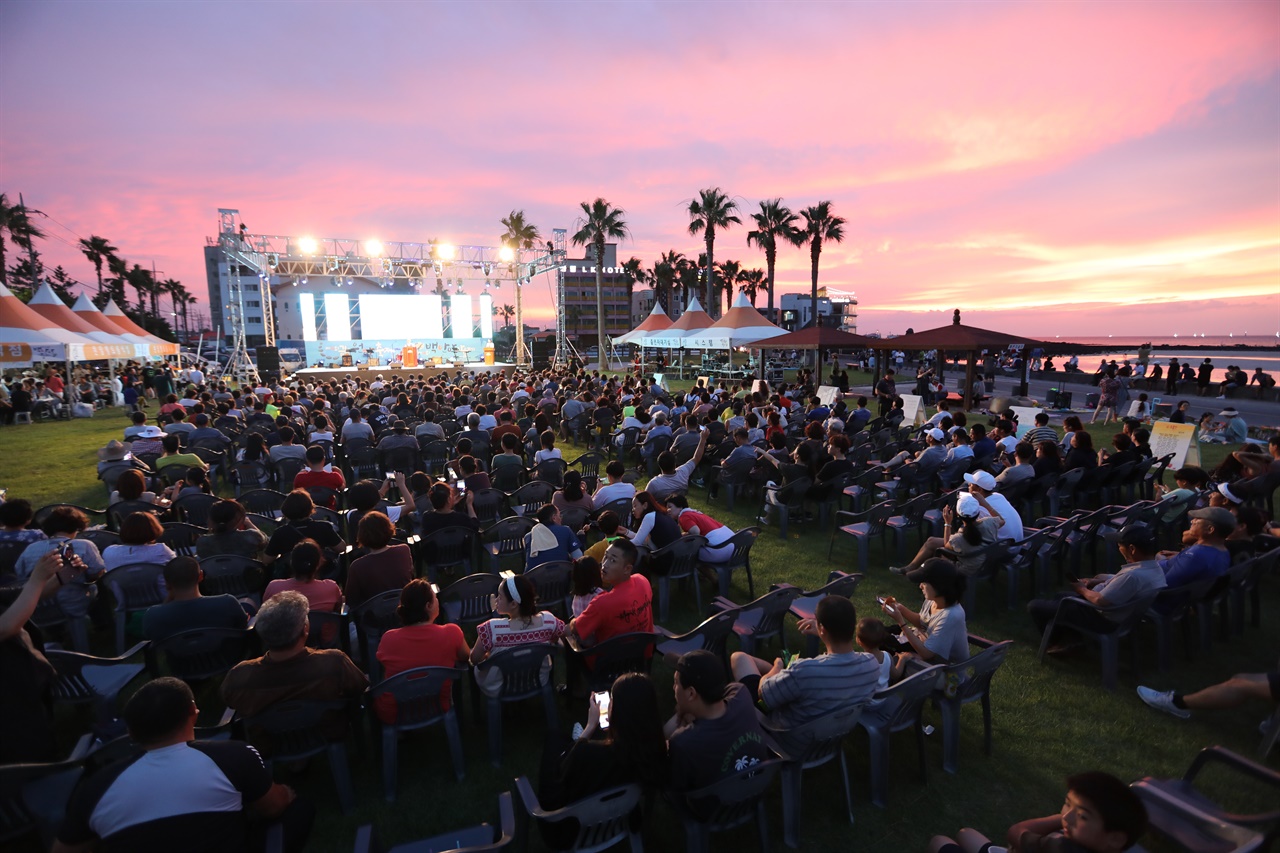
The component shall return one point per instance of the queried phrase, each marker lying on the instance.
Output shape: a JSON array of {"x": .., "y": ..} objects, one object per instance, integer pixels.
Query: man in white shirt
[
  {"x": 615, "y": 488},
  {"x": 196, "y": 375},
  {"x": 982, "y": 485},
  {"x": 673, "y": 479}
]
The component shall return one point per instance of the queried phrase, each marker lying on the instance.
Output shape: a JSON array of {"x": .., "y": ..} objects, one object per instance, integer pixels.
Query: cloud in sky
[{"x": 1027, "y": 159}]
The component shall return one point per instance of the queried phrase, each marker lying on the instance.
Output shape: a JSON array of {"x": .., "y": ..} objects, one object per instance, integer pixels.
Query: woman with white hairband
[{"x": 519, "y": 622}]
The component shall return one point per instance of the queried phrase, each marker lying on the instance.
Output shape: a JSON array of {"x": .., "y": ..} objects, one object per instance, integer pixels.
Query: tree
[
  {"x": 178, "y": 298},
  {"x": 730, "y": 275},
  {"x": 62, "y": 284},
  {"x": 664, "y": 278},
  {"x": 775, "y": 222},
  {"x": 633, "y": 271},
  {"x": 506, "y": 312},
  {"x": 711, "y": 210},
  {"x": 24, "y": 276},
  {"x": 119, "y": 269},
  {"x": 602, "y": 222},
  {"x": 750, "y": 283},
  {"x": 15, "y": 221},
  {"x": 820, "y": 226},
  {"x": 97, "y": 250},
  {"x": 520, "y": 235},
  {"x": 687, "y": 277},
  {"x": 141, "y": 281}
]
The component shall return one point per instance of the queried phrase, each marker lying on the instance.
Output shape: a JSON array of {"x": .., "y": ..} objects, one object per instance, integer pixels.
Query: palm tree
[
  {"x": 520, "y": 235},
  {"x": 506, "y": 312},
  {"x": 820, "y": 226},
  {"x": 750, "y": 283},
  {"x": 712, "y": 209},
  {"x": 15, "y": 220},
  {"x": 602, "y": 222},
  {"x": 177, "y": 295},
  {"x": 775, "y": 222},
  {"x": 687, "y": 277},
  {"x": 634, "y": 272},
  {"x": 730, "y": 275},
  {"x": 97, "y": 250},
  {"x": 141, "y": 281},
  {"x": 119, "y": 269},
  {"x": 664, "y": 280}
]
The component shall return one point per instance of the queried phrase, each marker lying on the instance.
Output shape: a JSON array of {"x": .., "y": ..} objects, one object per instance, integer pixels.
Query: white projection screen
[
  {"x": 391, "y": 316},
  {"x": 460, "y": 315},
  {"x": 485, "y": 303},
  {"x": 307, "y": 308},
  {"x": 337, "y": 309}
]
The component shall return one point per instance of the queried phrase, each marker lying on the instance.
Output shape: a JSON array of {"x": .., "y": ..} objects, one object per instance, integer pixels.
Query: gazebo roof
[
  {"x": 821, "y": 337},
  {"x": 956, "y": 336}
]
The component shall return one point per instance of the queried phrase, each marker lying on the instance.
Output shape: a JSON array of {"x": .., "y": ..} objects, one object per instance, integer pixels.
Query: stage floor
[{"x": 369, "y": 372}]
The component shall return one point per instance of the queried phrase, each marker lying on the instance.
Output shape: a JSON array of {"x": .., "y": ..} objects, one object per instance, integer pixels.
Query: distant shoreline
[{"x": 1066, "y": 346}]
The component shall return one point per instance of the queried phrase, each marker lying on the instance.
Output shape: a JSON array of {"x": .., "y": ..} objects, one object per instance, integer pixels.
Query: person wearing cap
[
  {"x": 1140, "y": 576},
  {"x": 715, "y": 731},
  {"x": 805, "y": 689},
  {"x": 939, "y": 632},
  {"x": 929, "y": 459},
  {"x": 1232, "y": 431},
  {"x": 1205, "y": 554},
  {"x": 399, "y": 437},
  {"x": 204, "y": 432},
  {"x": 970, "y": 541},
  {"x": 982, "y": 486}
]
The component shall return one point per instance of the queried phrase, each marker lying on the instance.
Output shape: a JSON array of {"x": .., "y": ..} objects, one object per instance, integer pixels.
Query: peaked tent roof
[
  {"x": 49, "y": 305},
  {"x": 694, "y": 319},
  {"x": 113, "y": 312},
  {"x": 956, "y": 336},
  {"x": 657, "y": 321},
  {"x": 742, "y": 324},
  {"x": 20, "y": 324},
  {"x": 87, "y": 311}
]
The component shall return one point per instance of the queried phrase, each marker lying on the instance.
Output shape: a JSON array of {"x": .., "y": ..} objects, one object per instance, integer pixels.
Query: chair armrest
[
  {"x": 665, "y": 632},
  {"x": 1225, "y": 756},
  {"x": 529, "y": 798},
  {"x": 981, "y": 642},
  {"x": 83, "y": 747},
  {"x": 128, "y": 653}
]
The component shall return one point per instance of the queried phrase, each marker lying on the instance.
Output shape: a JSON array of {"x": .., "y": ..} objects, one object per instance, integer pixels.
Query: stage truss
[{"x": 281, "y": 260}]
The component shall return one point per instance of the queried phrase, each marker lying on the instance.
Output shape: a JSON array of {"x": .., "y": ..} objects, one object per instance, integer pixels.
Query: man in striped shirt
[
  {"x": 806, "y": 689},
  {"x": 1041, "y": 431}
]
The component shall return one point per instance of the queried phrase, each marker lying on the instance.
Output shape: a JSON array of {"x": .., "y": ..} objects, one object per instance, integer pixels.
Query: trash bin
[{"x": 1064, "y": 400}]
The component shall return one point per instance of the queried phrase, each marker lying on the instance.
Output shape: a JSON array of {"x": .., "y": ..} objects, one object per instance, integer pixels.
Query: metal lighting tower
[
  {"x": 560, "y": 248},
  {"x": 234, "y": 249}
]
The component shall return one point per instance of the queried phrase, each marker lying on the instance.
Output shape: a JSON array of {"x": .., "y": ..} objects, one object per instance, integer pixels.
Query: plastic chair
[
  {"x": 728, "y": 803},
  {"x": 490, "y": 506},
  {"x": 622, "y": 508},
  {"x": 231, "y": 574},
  {"x": 504, "y": 541},
  {"x": 181, "y": 537},
  {"x": 523, "y": 677},
  {"x": 449, "y": 548},
  {"x": 1071, "y": 613},
  {"x": 872, "y": 525},
  {"x": 808, "y": 746},
  {"x": 909, "y": 516},
  {"x": 677, "y": 561},
  {"x": 741, "y": 559},
  {"x": 134, "y": 587},
  {"x": 711, "y": 635},
  {"x": 329, "y": 629},
  {"x": 296, "y": 730},
  {"x": 102, "y": 539},
  {"x": 1179, "y": 811},
  {"x": 896, "y": 709},
  {"x": 201, "y": 653},
  {"x": 472, "y": 839},
  {"x": 974, "y": 676},
  {"x": 372, "y": 619},
  {"x": 34, "y": 797},
  {"x": 194, "y": 509},
  {"x": 467, "y": 601},
  {"x": 286, "y": 470},
  {"x": 1170, "y": 606},
  {"x": 417, "y": 693},
  {"x": 83, "y": 679},
  {"x": 589, "y": 464},
  {"x": 553, "y": 583},
  {"x": 551, "y": 471},
  {"x": 805, "y": 605},
  {"x": 603, "y": 819},
  {"x": 532, "y": 496},
  {"x": 788, "y": 501},
  {"x": 39, "y": 516},
  {"x": 250, "y": 475},
  {"x": 120, "y": 510},
  {"x": 263, "y": 502},
  {"x": 618, "y": 655},
  {"x": 761, "y": 619},
  {"x": 575, "y": 517}
]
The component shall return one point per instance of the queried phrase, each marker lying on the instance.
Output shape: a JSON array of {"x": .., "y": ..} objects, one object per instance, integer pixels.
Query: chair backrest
[
  {"x": 843, "y": 584},
  {"x": 194, "y": 509},
  {"x": 110, "y": 474},
  {"x": 181, "y": 537},
  {"x": 603, "y": 819},
  {"x": 907, "y": 697},
  {"x": 204, "y": 653},
  {"x": 678, "y": 559},
  {"x": 9, "y": 554},
  {"x": 818, "y": 740},
  {"x": 263, "y": 501},
  {"x": 508, "y": 534},
  {"x": 136, "y": 586},
  {"x": 978, "y": 670},
  {"x": 553, "y": 582},
  {"x": 490, "y": 505},
  {"x": 252, "y": 475},
  {"x": 589, "y": 464},
  {"x": 622, "y": 507},
  {"x": 765, "y": 614},
  {"x": 402, "y": 459},
  {"x": 376, "y": 616},
  {"x": 449, "y": 546},
  {"x": 551, "y": 471},
  {"x": 732, "y": 800},
  {"x": 295, "y": 729},
  {"x": 417, "y": 693},
  {"x": 616, "y": 656},
  {"x": 575, "y": 517},
  {"x": 522, "y": 669},
  {"x": 39, "y": 516},
  {"x": 714, "y": 632},
  {"x": 741, "y": 542},
  {"x": 34, "y": 797},
  {"x": 435, "y": 455},
  {"x": 120, "y": 510},
  {"x": 533, "y": 496},
  {"x": 232, "y": 574},
  {"x": 286, "y": 469},
  {"x": 466, "y": 601},
  {"x": 102, "y": 539}
]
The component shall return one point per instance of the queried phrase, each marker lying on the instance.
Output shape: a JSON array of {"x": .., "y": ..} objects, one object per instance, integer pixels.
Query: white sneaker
[{"x": 1163, "y": 701}]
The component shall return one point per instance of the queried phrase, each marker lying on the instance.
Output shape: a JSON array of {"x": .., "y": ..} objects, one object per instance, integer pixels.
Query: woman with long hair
[
  {"x": 654, "y": 528},
  {"x": 254, "y": 450},
  {"x": 573, "y": 493},
  {"x": 1048, "y": 458},
  {"x": 519, "y": 622},
  {"x": 1082, "y": 454}
]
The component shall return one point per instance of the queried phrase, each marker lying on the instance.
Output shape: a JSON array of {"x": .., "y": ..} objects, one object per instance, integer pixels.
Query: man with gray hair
[{"x": 289, "y": 670}]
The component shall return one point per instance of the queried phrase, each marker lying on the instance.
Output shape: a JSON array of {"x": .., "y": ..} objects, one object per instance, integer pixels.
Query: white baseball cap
[{"x": 982, "y": 479}]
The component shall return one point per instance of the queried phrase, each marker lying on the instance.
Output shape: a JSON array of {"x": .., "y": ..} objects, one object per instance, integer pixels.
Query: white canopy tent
[
  {"x": 693, "y": 320},
  {"x": 741, "y": 326},
  {"x": 657, "y": 321}
]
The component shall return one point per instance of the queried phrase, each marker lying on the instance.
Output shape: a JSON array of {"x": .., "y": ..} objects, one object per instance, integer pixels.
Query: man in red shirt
[
  {"x": 315, "y": 477},
  {"x": 625, "y": 606}
]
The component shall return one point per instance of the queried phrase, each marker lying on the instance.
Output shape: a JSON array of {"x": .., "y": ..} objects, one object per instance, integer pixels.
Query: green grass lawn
[{"x": 1050, "y": 720}]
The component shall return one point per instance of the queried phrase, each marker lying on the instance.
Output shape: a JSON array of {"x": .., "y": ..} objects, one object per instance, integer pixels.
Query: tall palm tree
[
  {"x": 687, "y": 276},
  {"x": 119, "y": 269},
  {"x": 140, "y": 279},
  {"x": 506, "y": 312},
  {"x": 774, "y": 223},
  {"x": 602, "y": 222},
  {"x": 750, "y": 283},
  {"x": 820, "y": 226},
  {"x": 711, "y": 210},
  {"x": 730, "y": 275},
  {"x": 520, "y": 235},
  {"x": 97, "y": 250},
  {"x": 664, "y": 279},
  {"x": 633, "y": 272},
  {"x": 176, "y": 292},
  {"x": 15, "y": 220}
]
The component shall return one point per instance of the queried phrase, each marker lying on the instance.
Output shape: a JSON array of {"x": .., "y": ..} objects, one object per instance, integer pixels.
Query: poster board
[
  {"x": 704, "y": 382},
  {"x": 828, "y": 394},
  {"x": 912, "y": 409},
  {"x": 660, "y": 379},
  {"x": 1026, "y": 418},
  {"x": 1178, "y": 439}
]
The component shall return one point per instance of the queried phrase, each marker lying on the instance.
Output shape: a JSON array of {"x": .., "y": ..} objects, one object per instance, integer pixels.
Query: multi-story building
[
  {"x": 579, "y": 305},
  {"x": 219, "y": 272},
  {"x": 838, "y": 309},
  {"x": 641, "y": 306}
]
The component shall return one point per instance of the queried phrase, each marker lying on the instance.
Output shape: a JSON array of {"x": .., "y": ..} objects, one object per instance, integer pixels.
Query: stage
[{"x": 370, "y": 372}]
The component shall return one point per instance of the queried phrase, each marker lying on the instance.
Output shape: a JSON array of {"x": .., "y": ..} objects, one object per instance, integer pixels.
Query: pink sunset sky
[{"x": 1055, "y": 168}]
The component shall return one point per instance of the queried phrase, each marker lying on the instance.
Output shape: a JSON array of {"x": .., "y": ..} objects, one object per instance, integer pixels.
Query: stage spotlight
[
  {"x": 506, "y": 254},
  {"x": 295, "y": 282},
  {"x": 308, "y": 245},
  {"x": 488, "y": 268},
  {"x": 333, "y": 265},
  {"x": 273, "y": 260},
  {"x": 373, "y": 248},
  {"x": 350, "y": 281},
  {"x": 446, "y": 252},
  {"x": 304, "y": 279}
]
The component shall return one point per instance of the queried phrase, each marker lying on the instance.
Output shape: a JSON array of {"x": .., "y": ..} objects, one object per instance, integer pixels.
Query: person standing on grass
[{"x": 1108, "y": 398}]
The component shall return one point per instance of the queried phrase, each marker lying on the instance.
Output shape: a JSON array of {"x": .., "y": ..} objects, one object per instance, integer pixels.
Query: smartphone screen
[
  {"x": 602, "y": 700},
  {"x": 462, "y": 486},
  {"x": 880, "y": 600}
]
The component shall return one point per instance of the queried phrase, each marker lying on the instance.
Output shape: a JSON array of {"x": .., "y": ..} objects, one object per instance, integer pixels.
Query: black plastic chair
[
  {"x": 482, "y": 838},
  {"x": 263, "y": 502},
  {"x": 1077, "y": 614},
  {"x": 231, "y": 574},
  {"x": 808, "y": 746},
  {"x": 418, "y": 703},
  {"x": 449, "y": 548},
  {"x": 490, "y": 506},
  {"x": 120, "y": 510},
  {"x": 84, "y": 679},
  {"x": 805, "y": 605},
  {"x": 296, "y": 730},
  {"x": 966, "y": 682},
  {"x": 603, "y": 819},
  {"x": 34, "y": 797},
  {"x": 372, "y": 619},
  {"x": 896, "y": 709},
  {"x": 201, "y": 653},
  {"x": 677, "y": 561},
  {"x": 532, "y": 496},
  {"x": 553, "y": 583},
  {"x": 525, "y": 674},
  {"x": 741, "y": 559},
  {"x": 757, "y": 621},
  {"x": 181, "y": 537},
  {"x": 726, "y": 804},
  {"x": 468, "y": 601},
  {"x": 194, "y": 509},
  {"x": 711, "y": 635},
  {"x": 618, "y": 655},
  {"x": 504, "y": 541},
  {"x": 135, "y": 588}
]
